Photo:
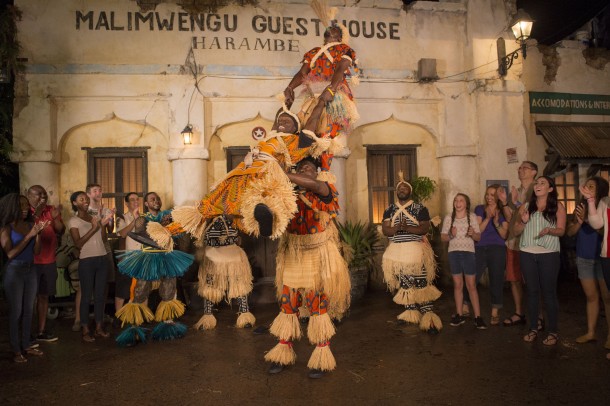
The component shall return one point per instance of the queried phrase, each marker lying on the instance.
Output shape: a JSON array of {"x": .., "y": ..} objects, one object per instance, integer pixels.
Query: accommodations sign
[{"x": 569, "y": 103}]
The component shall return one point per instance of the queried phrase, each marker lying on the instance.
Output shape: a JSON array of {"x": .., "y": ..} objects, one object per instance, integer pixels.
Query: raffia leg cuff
[
  {"x": 134, "y": 313},
  {"x": 320, "y": 328},
  {"x": 245, "y": 319},
  {"x": 286, "y": 327},
  {"x": 282, "y": 354},
  {"x": 206, "y": 322},
  {"x": 169, "y": 310},
  {"x": 322, "y": 358}
]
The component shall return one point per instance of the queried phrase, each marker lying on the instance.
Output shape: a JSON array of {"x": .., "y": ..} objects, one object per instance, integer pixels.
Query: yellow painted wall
[{"x": 114, "y": 132}]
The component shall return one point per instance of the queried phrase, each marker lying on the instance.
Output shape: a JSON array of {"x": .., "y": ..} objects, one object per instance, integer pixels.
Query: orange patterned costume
[
  {"x": 341, "y": 112},
  {"x": 261, "y": 178}
]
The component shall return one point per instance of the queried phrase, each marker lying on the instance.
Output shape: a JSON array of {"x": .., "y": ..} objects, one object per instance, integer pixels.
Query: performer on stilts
[
  {"x": 224, "y": 272},
  {"x": 310, "y": 268},
  {"x": 157, "y": 261},
  {"x": 409, "y": 267}
]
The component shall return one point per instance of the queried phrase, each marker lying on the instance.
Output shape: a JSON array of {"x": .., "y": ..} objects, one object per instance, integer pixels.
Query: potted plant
[
  {"x": 358, "y": 239},
  {"x": 423, "y": 189}
]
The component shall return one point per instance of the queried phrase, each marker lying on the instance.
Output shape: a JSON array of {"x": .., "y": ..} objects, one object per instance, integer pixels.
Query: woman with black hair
[
  {"x": 20, "y": 240},
  {"x": 588, "y": 249},
  {"x": 542, "y": 222},
  {"x": 88, "y": 233}
]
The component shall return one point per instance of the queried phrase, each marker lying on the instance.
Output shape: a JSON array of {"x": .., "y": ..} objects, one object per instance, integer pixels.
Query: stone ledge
[{"x": 192, "y": 152}]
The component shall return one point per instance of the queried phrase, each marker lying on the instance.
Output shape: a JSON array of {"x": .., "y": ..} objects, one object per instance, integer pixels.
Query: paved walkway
[{"x": 379, "y": 363}]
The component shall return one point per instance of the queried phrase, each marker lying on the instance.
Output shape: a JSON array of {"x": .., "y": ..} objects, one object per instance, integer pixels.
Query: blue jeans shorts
[{"x": 462, "y": 262}]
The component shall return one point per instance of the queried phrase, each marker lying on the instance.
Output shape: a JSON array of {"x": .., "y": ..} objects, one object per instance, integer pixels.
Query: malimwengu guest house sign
[
  {"x": 220, "y": 28},
  {"x": 569, "y": 103}
]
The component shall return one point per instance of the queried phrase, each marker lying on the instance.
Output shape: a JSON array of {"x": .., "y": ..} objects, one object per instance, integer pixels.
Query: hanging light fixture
[
  {"x": 522, "y": 28},
  {"x": 187, "y": 134}
]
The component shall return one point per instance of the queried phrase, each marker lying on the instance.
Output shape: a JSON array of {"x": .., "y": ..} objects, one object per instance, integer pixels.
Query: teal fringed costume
[{"x": 148, "y": 266}]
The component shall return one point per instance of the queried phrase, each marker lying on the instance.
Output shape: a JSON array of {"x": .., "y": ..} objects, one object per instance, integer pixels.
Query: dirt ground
[{"x": 379, "y": 363}]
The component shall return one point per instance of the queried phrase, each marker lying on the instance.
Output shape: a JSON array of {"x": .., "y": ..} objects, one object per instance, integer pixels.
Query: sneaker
[
  {"x": 275, "y": 368},
  {"x": 44, "y": 336},
  {"x": 479, "y": 323},
  {"x": 34, "y": 344},
  {"x": 457, "y": 320},
  {"x": 316, "y": 374}
]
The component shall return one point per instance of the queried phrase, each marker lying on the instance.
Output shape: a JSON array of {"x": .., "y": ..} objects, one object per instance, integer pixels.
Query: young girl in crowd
[
  {"x": 461, "y": 230},
  {"x": 588, "y": 249},
  {"x": 490, "y": 250},
  {"x": 543, "y": 221},
  {"x": 88, "y": 233},
  {"x": 20, "y": 240}
]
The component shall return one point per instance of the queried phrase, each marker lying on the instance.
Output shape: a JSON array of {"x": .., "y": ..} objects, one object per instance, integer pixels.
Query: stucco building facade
[{"x": 108, "y": 79}]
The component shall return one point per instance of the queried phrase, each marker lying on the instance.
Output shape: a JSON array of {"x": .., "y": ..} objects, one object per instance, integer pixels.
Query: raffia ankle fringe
[
  {"x": 322, "y": 358},
  {"x": 206, "y": 322},
  {"x": 134, "y": 313},
  {"x": 282, "y": 354},
  {"x": 430, "y": 319},
  {"x": 410, "y": 316},
  {"x": 244, "y": 319},
  {"x": 169, "y": 310}
]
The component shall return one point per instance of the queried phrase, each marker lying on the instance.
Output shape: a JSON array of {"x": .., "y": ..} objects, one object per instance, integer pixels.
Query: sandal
[
  {"x": 101, "y": 333},
  {"x": 551, "y": 339},
  {"x": 87, "y": 337},
  {"x": 20, "y": 359},
  {"x": 531, "y": 336},
  {"x": 33, "y": 351},
  {"x": 511, "y": 321},
  {"x": 540, "y": 324},
  {"x": 495, "y": 320}
]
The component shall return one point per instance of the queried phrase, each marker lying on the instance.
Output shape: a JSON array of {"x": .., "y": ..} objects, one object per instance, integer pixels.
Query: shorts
[
  {"x": 46, "y": 274},
  {"x": 462, "y": 262},
  {"x": 589, "y": 268},
  {"x": 122, "y": 286},
  {"x": 513, "y": 267}
]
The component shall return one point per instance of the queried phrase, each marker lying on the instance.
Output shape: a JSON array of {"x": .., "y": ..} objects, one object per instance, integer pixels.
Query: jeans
[
  {"x": 540, "y": 272},
  {"x": 20, "y": 286},
  {"x": 492, "y": 257},
  {"x": 93, "y": 273}
]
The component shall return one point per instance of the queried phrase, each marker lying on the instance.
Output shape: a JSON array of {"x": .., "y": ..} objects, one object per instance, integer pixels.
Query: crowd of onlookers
[{"x": 514, "y": 234}]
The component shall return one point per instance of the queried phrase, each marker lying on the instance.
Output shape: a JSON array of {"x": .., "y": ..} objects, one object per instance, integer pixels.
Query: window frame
[
  {"x": 564, "y": 186},
  {"x": 389, "y": 150},
  {"x": 117, "y": 152}
]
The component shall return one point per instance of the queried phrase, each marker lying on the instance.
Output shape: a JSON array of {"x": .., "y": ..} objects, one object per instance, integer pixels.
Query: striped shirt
[
  {"x": 531, "y": 242},
  {"x": 217, "y": 235},
  {"x": 417, "y": 210}
]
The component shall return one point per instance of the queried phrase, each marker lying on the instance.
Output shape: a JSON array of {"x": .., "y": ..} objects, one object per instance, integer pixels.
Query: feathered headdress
[{"x": 327, "y": 16}]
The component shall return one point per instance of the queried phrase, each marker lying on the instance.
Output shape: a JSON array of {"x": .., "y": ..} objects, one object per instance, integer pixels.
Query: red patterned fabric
[
  {"x": 308, "y": 220},
  {"x": 292, "y": 299},
  {"x": 323, "y": 68}
]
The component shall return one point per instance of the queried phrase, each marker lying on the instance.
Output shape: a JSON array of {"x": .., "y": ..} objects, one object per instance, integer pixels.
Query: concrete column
[
  {"x": 189, "y": 174},
  {"x": 41, "y": 171},
  {"x": 337, "y": 168}
]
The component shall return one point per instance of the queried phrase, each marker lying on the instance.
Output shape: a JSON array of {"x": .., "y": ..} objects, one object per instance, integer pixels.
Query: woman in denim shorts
[{"x": 588, "y": 249}]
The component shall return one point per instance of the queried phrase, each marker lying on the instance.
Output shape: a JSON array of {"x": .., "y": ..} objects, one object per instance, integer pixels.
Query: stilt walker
[
  {"x": 310, "y": 269},
  {"x": 408, "y": 264},
  {"x": 224, "y": 273}
]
